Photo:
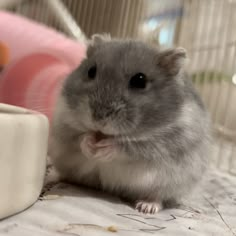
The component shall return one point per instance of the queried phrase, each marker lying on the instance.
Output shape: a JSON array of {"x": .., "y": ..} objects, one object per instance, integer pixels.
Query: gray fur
[{"x": 162, "y": 133}]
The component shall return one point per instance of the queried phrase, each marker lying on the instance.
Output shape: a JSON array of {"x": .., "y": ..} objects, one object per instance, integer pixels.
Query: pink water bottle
[{"x": 40, "y": 59}]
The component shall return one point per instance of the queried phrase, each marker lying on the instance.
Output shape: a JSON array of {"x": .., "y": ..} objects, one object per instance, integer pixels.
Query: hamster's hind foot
[{"x": 148, "y": 207}]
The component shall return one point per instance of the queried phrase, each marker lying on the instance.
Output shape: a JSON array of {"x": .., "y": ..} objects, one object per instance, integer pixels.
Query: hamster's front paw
[
  {"x": 148, "y": 207},
  {"x": 102, "y": 150}
]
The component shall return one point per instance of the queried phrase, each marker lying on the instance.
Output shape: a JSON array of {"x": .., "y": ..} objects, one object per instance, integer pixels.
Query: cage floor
[{"x": 68, "y": 210}]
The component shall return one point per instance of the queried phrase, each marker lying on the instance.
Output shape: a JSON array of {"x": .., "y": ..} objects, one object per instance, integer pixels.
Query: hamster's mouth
[
  {"x": 99, "y": 139},
  {"x": 100, "y": 136}
]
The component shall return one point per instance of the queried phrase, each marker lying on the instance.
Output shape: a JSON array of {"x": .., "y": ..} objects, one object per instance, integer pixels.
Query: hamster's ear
[
  {"x": 96, "y": 40},
  {"x": 171, "y": 61},
  {"x": 100, "y": 38}
]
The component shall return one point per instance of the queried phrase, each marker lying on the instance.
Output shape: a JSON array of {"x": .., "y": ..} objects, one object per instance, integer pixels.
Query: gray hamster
[{"x": 129, "y": 122}]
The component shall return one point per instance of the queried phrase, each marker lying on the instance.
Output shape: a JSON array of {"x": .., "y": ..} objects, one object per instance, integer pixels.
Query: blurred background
[{"x": 206, "y": 28}]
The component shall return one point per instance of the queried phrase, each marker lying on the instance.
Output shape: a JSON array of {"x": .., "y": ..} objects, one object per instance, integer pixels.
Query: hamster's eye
[
  {"x": 92, "y": 72},
  {"x": 138, "y": 81}
]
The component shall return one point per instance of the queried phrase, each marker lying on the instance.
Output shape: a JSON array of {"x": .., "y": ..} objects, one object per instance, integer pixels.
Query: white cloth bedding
[{"x": 69, "y": 210}]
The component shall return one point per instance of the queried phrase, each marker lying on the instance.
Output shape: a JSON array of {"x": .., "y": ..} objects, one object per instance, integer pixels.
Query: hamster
[{"x": 128, "y": 121}]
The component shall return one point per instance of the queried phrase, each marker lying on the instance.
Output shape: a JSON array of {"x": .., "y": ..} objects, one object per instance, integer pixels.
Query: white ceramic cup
[{"x": 23, "y": 152}]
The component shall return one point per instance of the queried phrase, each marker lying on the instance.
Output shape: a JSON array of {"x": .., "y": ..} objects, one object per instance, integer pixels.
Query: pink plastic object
[{"x": 40, "y": 59}]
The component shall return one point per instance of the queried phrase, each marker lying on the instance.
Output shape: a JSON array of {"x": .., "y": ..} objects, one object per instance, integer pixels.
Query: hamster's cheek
[{"x": 84, "y": 114}]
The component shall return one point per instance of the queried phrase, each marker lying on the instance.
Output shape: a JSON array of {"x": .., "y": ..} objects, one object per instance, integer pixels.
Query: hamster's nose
[{"x": 101, "y": 112}]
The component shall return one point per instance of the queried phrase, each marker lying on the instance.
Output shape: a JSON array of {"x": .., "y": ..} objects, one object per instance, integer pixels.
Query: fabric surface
[{"x": 69, "y": 210}]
